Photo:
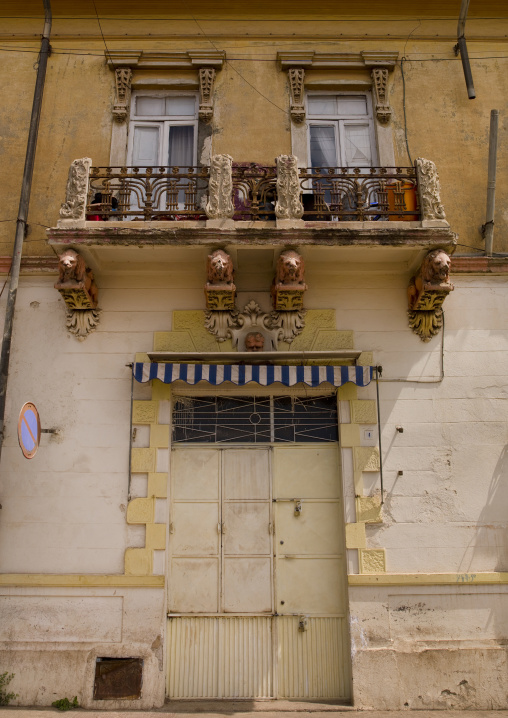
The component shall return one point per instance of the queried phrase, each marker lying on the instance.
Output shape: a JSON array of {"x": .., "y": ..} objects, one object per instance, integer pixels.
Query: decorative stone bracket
[
  {"x": 426, "y": 293},
  {"x": 274, "y": 326},
  {"x": 379, "y": 85},
  {"x": 123, "y": 79},
  {"x": 206, "y": 83},
  {"x": 76, "y": 285},
  {"x": 297, "y": 108}
]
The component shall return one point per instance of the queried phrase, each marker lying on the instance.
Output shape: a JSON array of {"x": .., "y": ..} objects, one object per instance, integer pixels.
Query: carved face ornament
[{"x": 254, "y": 342}]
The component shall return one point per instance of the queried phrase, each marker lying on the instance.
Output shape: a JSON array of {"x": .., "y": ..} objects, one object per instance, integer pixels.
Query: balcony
[{"x": 251, "y": 204}]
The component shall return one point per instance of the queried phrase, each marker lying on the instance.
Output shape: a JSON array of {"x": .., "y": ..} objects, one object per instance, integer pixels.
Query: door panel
[
  {"x": 316, "y": 530},
  {"x": 247, "y": 528},
  {"x": 246, "y": 474},
  {"x": 194, "y": 585},
  {"x": 303, "y": 472},
  {"x": 310, "y": 585},
  {"x": 194, "y": 529},
  {"x": 247, "y": 585},
  {"x": 195, "y": 474}
]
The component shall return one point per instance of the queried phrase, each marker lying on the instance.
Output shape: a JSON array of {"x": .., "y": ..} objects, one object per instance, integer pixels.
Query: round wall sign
[{"x": 29, "y": 430}]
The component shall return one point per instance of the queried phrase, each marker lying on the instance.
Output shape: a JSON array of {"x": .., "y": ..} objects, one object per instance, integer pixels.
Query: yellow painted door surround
[{"x": 257, "y": 579}]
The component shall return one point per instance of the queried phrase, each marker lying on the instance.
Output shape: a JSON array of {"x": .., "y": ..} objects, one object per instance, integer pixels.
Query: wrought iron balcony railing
[{"x": 252, "y": 192}]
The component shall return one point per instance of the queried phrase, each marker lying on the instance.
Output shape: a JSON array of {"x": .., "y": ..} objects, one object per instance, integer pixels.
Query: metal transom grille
[{"x": 249, "y": 419}]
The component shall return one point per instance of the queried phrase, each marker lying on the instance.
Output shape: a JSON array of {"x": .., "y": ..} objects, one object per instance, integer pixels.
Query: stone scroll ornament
[
  {"x": 288, "y": 286},
  {"x": 77, "y": 286},
  {"x": 74, "y": 207},
  {"x": 429, "y": 190},
  {"x": 220, "y": 188},
  {"x": 426, "y": 293},
  {"x": 273, "y": 326},
  {"x": 289, "y": 205},
  {"x": 220, "y": 290}
]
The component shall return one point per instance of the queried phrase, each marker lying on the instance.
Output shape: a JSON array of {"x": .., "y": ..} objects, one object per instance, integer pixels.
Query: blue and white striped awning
[{"x": 264, "y": 375}]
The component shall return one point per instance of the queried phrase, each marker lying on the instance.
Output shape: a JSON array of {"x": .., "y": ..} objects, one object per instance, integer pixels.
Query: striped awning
[{"x": 264, "y": 375}]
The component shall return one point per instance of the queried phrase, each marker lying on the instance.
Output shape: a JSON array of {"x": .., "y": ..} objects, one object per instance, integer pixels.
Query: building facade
[{"x": 325, "y": 520}]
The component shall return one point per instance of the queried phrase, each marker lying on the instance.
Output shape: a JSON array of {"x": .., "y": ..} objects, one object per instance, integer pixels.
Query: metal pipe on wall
[
  {"x": 488, "y": 227},
  {"x": 21, "y": 222},
  {"x": 462, "y": 47}
]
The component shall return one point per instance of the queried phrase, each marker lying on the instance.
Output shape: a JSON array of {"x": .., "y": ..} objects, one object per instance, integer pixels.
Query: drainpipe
[
  {"x": 462, "y": 47},
  {"x": 488, "y": 227},
  {"x": 21, "y": 222}
]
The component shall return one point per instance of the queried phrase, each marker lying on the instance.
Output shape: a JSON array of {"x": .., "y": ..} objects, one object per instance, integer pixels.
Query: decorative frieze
[
  {"x": 426, "y": 293},
  {"x": 379, "y": 85},
  {"x": 429, "y": 190},
  {"x": 220, "y": 290},
  {"x": 238, "y": 326},
  {"x": 288, "y": 205},
  {"x": 296, "y": 84},
  {"x": 288, "y": 286},
  {"x": 74, "y": 207},
  {"x": 123, "y": 79},
  {"x": 220, "y": 188},
  {"x": 206, "y": 83}
]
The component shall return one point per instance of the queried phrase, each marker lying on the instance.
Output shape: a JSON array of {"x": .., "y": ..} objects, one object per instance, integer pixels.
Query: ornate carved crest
[
  {"x": 82, "y": 323},
  {"x": 220, "y": 188},
  {"x": 426, "y": 293},
  {"x": 379, "y": 83},
  {"x": 76, "y": 193},
  {"x": 273, "y": 326},
  {"x": 289, "y": 205},
  {"x": 429, "y": 189},
  {"x": 123, "y": 79},
  {"x": 296, "y": 83},
  {"x": 206, "y": 82}
]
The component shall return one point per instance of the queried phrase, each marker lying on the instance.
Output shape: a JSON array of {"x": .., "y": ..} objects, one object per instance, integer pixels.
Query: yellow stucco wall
[{"x": 251, "y": 120}]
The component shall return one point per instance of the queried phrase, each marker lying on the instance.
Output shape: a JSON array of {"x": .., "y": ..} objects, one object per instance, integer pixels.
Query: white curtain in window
[
  {"x": 181, "y": 146},
  {"x": 323, "y": 150}
]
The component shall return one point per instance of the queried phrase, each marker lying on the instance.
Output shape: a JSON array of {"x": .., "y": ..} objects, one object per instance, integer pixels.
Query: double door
[{"x": 257, "y": 596}]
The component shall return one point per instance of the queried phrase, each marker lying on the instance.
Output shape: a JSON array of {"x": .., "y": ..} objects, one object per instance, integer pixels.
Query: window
[
  {"x": 341, "y": 130},
  {"x": 163, "y": 130}
]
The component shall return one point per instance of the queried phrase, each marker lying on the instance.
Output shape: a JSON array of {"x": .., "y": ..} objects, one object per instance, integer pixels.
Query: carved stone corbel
[
  {"x": 379, "y": 83},
  {"x": 273, "y": 326},
  {"x": 74, "y": 207},
  {"x": 220, "y": 188},
  {"x": 426, "y": 293},
  {"x": 296, "y": 84},
  {"x": 123, "y": 79},
  {"x": 429, "y": 190},
  {"x": 288, "y": 286},
  {"x": 76, "y": 285},
  {"x": 206, "y": 83},
  {"x": 289, "y": 205},
  {"x": 220, "y": 290}
]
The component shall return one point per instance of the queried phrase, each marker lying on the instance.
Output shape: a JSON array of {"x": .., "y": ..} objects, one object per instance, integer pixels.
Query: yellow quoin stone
[
  {"x": 157, "y": 485},
  {"x": 355, "y": 536},
  {"x": 349, "y": 435},
  {"x": 372, "y": 560},
  {"x": 363, "y": 411},
  {"x": 160, "y": 391},
  {"x": 140, "y": 511},
  {"x": 365, "y": 359},
  {"x": 143, "y": 461},
  {"x": 366, "y": 458},
  {"x": 369, "y": 509},
  {"x": 348, "y": 392},
  {"x": 144, "y": 412},
  {"x": 138, "y": 562},
  {"x": 155, "y": 536},
  {"x": 159, "y": 436}
]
